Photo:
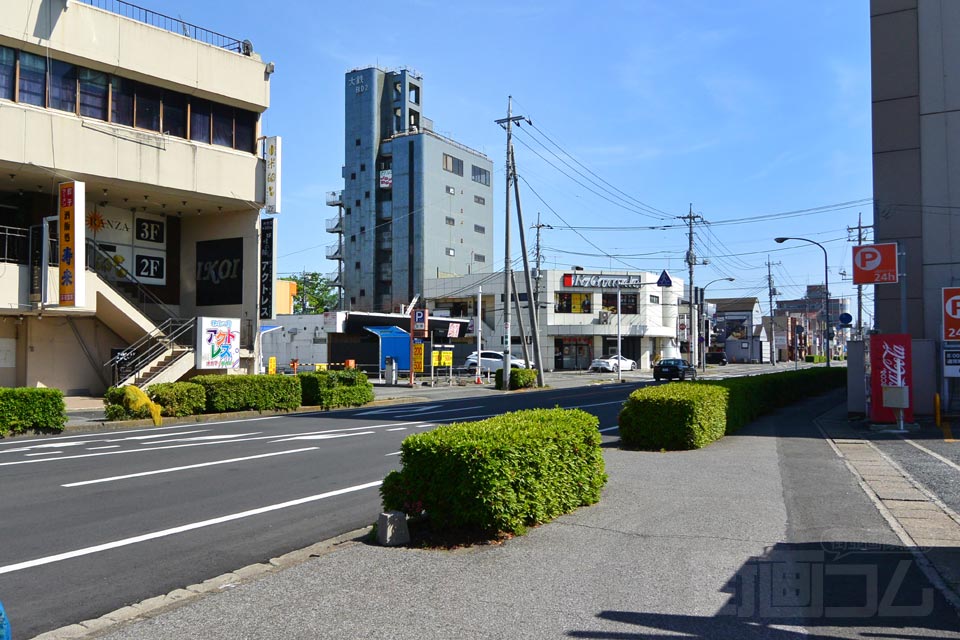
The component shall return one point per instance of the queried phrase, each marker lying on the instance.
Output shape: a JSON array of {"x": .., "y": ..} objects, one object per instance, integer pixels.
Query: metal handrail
[
  {"x": 173, "y": 332},
  {"x": 174, "y": 25},
  {"x": 117, "y": 278}
]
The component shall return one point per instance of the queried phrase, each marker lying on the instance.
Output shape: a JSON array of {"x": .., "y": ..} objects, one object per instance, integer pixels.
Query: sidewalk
[{"x": 684, "y": 542}]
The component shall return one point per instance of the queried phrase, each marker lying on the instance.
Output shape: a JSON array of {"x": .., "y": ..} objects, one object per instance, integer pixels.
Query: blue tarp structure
[{"x": 394, "y": 342}]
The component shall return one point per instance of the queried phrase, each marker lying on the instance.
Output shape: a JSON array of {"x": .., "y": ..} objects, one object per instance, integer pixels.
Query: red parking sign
[
  {"x": 875, "y": 263},
  {"x": 951, "y": 313}
]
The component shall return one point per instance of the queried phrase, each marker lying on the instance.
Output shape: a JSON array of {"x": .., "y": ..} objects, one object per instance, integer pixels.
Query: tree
[{"x": 315, "y": 294}]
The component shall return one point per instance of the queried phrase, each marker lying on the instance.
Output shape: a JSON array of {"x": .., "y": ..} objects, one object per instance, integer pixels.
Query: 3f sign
[{"x": 951, "y": 313}]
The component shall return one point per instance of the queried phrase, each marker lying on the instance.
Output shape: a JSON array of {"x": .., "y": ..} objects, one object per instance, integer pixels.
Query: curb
[{"x": 178, "y": 597}]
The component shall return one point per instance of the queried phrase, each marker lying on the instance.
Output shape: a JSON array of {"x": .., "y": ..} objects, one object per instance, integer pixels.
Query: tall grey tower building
[{"x": 415, "y": 204}]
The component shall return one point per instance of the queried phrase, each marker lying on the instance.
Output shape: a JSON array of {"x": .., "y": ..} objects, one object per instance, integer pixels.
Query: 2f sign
[
  {"x": 875, "y": 264},
  {"x": 951, "y": 313}
]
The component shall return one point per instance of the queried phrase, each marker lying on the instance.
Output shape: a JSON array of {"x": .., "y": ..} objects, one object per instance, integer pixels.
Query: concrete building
[
  {"x": 415, "y": 205},
  {"x": 578, "y": 315},
  {"x": 161, "y": 130},
  {"x": 740, "y": 332},
  {"x": 916, "y": 172}
]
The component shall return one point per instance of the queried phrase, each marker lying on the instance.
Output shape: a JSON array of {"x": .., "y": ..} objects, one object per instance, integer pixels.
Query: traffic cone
[{"x": 478, "y": 381}]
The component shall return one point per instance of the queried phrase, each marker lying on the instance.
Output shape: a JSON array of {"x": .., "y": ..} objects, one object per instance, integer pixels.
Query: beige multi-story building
[{"x": 160, "y": 121}]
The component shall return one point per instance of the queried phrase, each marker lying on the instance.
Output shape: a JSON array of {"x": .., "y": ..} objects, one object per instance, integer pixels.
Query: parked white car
[
  {"x": 612, "y": 363},
  {"x": 492, "y": 361}
]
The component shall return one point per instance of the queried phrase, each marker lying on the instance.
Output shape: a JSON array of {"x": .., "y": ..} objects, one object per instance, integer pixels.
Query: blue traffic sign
[
  {"x": 846, "y": 318},
  {"x": 664, "y": 280}
]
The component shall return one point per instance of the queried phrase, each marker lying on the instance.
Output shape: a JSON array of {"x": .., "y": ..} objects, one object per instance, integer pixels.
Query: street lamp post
[
  {"x": 706, "y": 340},
  {"x": 826, "y": 290}
]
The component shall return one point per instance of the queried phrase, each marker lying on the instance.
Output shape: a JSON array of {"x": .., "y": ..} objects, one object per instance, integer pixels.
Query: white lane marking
[
  {"x": 327, "y": 436},
  {"x": 595, "y": 404},
  {"x": 48, "y": 445},
  {"x": 400, "y": 409},
  {"x": 946, "y": 461},
  {"x": 91, "y": 437},
  {"x": 191, "y": 444},
  {"x": 609, "y": 429},
  {"x": 398, "y": 429},
  {"x": 109, "y": 446},
  {"x": 44, "y": 453},
  {"x": 157, "y": 435},
  {"x": 189, "y": 466},
  {"x": 225, "y": 436},
  {"x": 395, "y": 453},
  {"x": 29, "y": 564}
]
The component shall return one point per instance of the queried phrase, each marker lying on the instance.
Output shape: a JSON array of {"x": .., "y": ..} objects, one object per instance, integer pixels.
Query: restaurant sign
[{"x": 591, "y": 281}]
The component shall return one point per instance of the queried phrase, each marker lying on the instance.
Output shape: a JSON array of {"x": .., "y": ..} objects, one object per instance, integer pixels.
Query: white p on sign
[
  {"x": 419, "y": 319},
  {"x": 951, "y": 313}
]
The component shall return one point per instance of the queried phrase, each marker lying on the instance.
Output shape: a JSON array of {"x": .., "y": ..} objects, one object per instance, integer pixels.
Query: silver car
[{"x": 492, "y": 361}]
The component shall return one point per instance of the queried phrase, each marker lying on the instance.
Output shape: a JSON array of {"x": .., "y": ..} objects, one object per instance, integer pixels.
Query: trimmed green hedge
[
  {"x": 673, "y": 416},
  {"x": 330, "y": 389},
  {"x": 668, "y": 416},
  {"x": 519, "y": 378},
  {"x": 178, "y": 399},
  {"x": 28, "y": 409},
  {"x": 501, "y": 474},
  {"x": 815, "y": 359},
  {"x": 249, "y": 392}
]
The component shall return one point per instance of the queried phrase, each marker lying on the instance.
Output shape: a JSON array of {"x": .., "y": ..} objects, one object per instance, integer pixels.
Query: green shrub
[
  {"x": 28, "y": 409},
  {"x": 249, "y": 392},
  {"x": 519, "y": 378},
  {"x": 501, "y": 474},
  {"x": 178, "y": 399},
  {"x": 330, "y": 389},
  {"x": 815, "y": 359},
  {"x": 673, "y": 416},
  {"x": 668, "y": 419},
  {"x": 130, "y": 403}
]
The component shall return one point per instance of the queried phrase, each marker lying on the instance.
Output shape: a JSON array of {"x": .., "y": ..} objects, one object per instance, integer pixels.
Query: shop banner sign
[
  {"x": 891, "y": 365},
  {"x": 72, "y": 244},
  {"x": 268, "y": 249},
  {"x": 218, "y": 343}
]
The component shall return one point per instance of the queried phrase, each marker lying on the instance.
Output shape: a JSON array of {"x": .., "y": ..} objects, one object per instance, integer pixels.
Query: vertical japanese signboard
[
  {"x": 72, "y": 245},
  {"x": 951, "y": 313},
  {"x": 890, "y": 366},
  {"x": 268, "y": 247},
  {"x": 418, "y": 348},
  {"x": 271, "y": 157}
]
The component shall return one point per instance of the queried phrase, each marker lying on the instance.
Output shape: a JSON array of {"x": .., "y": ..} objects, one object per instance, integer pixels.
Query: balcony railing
[
  {"x": 334, "y": 198},
  {"x": 333, "y": 278},
  {"x": 174, "y": 25},
  {"x": 333, "y": 252},
  {"x": 334, "y": 226}
]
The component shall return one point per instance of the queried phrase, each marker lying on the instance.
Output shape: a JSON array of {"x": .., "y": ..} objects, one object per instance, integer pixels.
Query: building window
[
  {"x": 200, "y": 120},
  {"x": 363, "y": 229},
  {"x": 94, "y": 97},
  {"x": 479, "y": 228},
  {"x": 479, "y": 199},
  {"x": 450, "y": 252},
  {"x": 353, "y": 238},
  {"x": 481, "y": 175},
  {"x": 366, "y": 194},
  {"x": 357, "y": 203},
  {"x": 572, "y": 303},
  {"x": 353, "y": 176},
  {"x": 245, "y": 138},
  {"x": 479, "y": 257},
  {"x": 63, "y": 86},
  {"x": 356, "y": 265},
  {"x": 147, "y": 108},
  {"x": 175, "y": 114},
  {"x": 33, "y": 74},
  {"x": 452, "y": 164},
  {"x": 358, "y": 142},
  {"x": 628, "y": 302},
  {"x": 654, "y": 299},
  {"x": 222, "y": 125},
  {"x": 451, "y": 191},
  {"x": 414, "y": 94},
  {"x": 363, "y": 292},
  {"x": 347, "y": 211},
  {"x": 363, "y": 167},
  {"x": 8, "y": 72},
  {"x": 450, "y": 221}
]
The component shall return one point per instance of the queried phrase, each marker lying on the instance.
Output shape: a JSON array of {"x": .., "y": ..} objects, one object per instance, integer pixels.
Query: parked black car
[
  {"x": 674, "y": 368},
  {"x": 716, "y": 357}
]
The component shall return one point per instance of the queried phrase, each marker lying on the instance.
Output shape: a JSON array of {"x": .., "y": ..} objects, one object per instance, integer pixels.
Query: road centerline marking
[
  {"x": 185, "y": 467},
  {"x": 153, "y": 535}
]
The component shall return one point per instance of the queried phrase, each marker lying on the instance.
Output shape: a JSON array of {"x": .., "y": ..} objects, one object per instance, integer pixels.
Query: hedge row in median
[
  {"x": 680, "y": 416},
  {"x": 519, "y": 378},
  {"x": 27, "y": 409},
  {"x": 502, "y": 474},
  {"x": 331, "y": 389}
]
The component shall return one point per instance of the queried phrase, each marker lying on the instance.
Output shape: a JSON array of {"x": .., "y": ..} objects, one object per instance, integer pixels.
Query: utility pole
[
  {"x": 860, "y": 227},
  {"x": 691, "y": 260},
  {"x": 539, "y": 260},
  {"x": 772, "y": 291},
  {"x": 507, "y": 123},
  {"x": 534, "y": 311}
]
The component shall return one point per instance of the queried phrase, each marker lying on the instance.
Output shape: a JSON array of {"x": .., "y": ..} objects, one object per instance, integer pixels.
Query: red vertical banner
[{"x": 891, "y": 365}]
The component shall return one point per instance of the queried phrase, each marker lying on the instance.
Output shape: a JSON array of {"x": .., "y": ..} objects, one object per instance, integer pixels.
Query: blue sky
[{"x": 744, "y": 108}]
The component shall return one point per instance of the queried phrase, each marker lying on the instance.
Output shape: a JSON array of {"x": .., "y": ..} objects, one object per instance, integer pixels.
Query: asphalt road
[{"x": 92, "y": 522}]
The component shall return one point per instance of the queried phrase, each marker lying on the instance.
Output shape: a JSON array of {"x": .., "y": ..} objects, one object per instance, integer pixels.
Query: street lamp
[
  {"x": 703, "y": 352},
  {"x": 826, "y": 290}
]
